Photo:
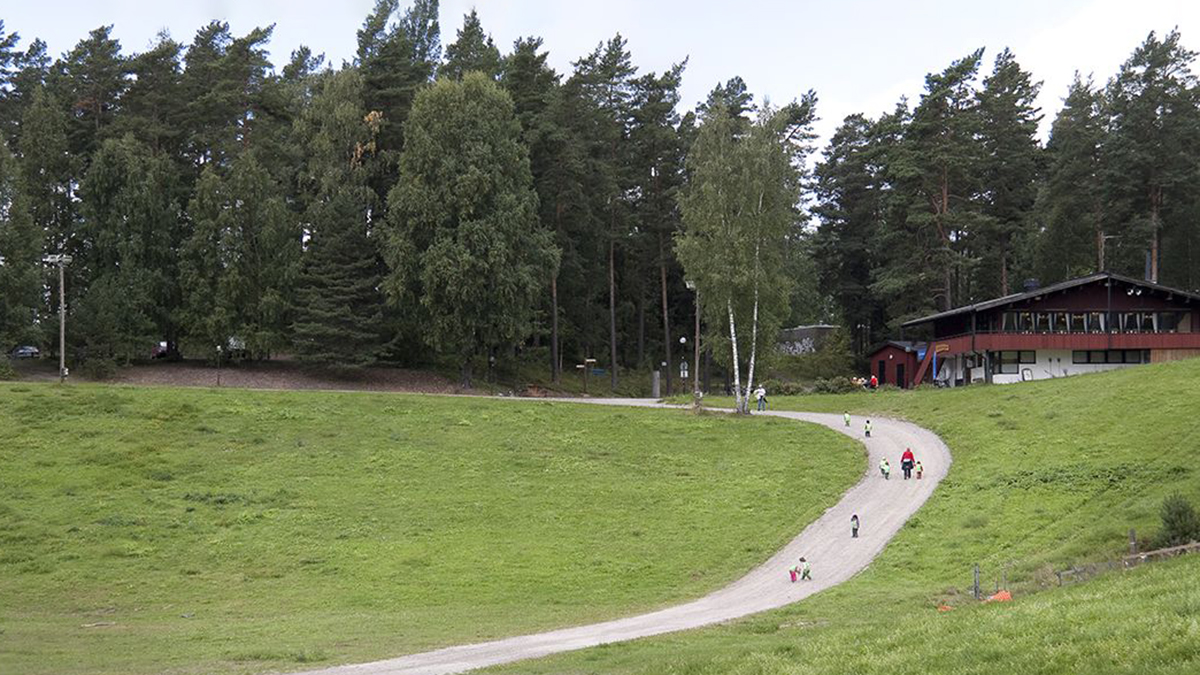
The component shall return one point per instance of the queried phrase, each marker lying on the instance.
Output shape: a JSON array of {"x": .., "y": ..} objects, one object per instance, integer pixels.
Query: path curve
[{"x": 883, "y": 506}]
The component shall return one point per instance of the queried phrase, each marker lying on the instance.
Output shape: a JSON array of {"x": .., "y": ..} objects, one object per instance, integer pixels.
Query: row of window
[
  {"x": 1009, "y": 363},
  {"x": 1111, "y": 356},
  {"x": 1090, "y": 322}
]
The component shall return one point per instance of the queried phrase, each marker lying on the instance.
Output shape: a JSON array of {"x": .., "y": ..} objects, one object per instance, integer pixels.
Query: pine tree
[
  {"x": 464, "y": 247},
  {"x": 1149, "y": 155},
  {"x": 473, "y": 50},
  {"x": 338, "y": 305},
  {"x": 604, "y": 78},
  {"x": 91, "y": 81},
  {"x": 1008, "y": 131},
  {"x": 1071, "y": 203}
]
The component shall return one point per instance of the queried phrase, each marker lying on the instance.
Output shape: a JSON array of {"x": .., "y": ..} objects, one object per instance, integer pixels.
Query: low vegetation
[{"x": 192, "y": 530}]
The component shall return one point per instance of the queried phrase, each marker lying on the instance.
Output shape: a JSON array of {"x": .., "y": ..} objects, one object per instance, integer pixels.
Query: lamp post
[
  {"x": 691, "y": 286},
  {"x": 219, "y": 350},
  {"x": 61, "y": 260}
]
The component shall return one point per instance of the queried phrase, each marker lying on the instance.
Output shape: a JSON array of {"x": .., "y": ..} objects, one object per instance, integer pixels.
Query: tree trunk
[
  {"x": 753, "y": 348},
  {"x": 1004, "y": 269},
  {"x": 737, "y": 375},
  {"x": 466, "y": 372},
  {"x": 612, "y": 313},
  {"x": 662, "y": 267},
  {"x": 641, "y": 344},
  {"x": 1155, "y": 225},
  {"x": 555, "y": 368}
]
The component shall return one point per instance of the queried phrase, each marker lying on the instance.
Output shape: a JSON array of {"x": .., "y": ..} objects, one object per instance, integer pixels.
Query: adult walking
[
  {"x": 907, "y": 461},
  {"x": 761, "y": 395}
]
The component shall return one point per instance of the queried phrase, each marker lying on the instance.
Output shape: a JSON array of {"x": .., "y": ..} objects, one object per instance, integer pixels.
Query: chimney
[{"x": 1032, "y": 285}]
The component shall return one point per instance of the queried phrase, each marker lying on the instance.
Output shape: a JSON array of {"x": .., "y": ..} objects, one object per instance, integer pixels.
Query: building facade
[{"x": 1094, "y": 323}]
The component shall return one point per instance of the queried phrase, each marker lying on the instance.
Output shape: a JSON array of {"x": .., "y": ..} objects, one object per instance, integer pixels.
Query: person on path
[
  {"x": 847, "y": 417},
  {"x": 854, "y": 526},
  {"x": 920, "y": 470},
  {"x": 885, "y": 468},
  {"x": 906, "y": 463},
  {"x": 867, "y": 428},
  {"x": 761, "y": 395}
]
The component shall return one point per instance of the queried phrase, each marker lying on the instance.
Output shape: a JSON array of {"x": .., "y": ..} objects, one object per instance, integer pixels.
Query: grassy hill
[
  {"x": 1045, "y": 474},
  {"x": 191, "y": 530}
]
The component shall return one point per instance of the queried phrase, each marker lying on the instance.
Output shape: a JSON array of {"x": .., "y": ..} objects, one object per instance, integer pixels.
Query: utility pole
[{"x": 61, "y": 260}]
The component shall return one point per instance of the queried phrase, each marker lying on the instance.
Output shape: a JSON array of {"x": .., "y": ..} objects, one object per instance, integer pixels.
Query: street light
[{"x": 61, "y": 260}]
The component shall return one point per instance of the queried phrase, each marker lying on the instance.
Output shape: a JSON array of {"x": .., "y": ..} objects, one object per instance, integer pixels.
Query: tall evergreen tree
[
  {"x": 1153, "y": 140},
  {"x": 1071, "y": 203},
  {"x": 605, "y": 78},
  {"x": 465, "y": 249},
  {"x": 338, "y": 304},
  {"x": 91, "y": 80},
  {"x": 473, "y": 50},
  {"x": 1012, "y": 157}
]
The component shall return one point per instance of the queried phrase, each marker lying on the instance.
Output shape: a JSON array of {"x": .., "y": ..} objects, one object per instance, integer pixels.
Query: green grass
[
  {"x": 1045, "y": 474},
  {"x": 191, "y": 530}
]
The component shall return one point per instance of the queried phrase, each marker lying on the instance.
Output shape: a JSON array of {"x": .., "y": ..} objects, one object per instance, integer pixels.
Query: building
[
  {"x": 804, "y": 339},
  {"x": 1094, "y": 323},
  {"x": 896, "y": 362}
]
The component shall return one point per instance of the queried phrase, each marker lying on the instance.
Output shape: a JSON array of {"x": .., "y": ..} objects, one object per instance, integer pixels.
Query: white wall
[{"x": 1050, "y": 363}]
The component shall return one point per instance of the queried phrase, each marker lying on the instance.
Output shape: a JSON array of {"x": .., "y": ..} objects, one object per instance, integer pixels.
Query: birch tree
[{"x": 739, "y": 209}]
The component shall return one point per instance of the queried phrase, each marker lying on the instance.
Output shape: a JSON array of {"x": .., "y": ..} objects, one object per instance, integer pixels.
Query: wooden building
[
  {"x": 896, "y": 362},
  {"x": 1094, "y": 323}
]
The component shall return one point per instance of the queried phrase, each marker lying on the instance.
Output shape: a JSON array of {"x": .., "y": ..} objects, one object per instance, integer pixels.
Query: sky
[{"x": 858, "y": 55}]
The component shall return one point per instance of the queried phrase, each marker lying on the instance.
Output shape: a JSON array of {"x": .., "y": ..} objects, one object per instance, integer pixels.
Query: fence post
[
  {"x": 975, "y": 588},
  {"x": 1133, "y": 549}
]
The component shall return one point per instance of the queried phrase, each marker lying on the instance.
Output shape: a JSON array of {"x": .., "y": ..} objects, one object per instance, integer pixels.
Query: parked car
[{"x": 25, "y": 352}]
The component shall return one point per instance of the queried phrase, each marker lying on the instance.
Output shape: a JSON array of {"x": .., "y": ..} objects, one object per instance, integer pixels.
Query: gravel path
[{"x": 883, "y": 506}]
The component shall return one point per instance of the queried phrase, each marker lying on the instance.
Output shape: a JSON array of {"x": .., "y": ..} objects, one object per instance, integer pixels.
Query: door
[
  {"x": 900, "y": 379},
  {"x": 882, "y": 375}
]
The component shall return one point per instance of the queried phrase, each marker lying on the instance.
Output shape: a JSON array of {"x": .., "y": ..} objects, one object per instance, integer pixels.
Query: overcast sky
[{"x": 859, "y": 55}]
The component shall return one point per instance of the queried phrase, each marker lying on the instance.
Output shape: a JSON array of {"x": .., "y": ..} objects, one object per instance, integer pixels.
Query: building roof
[
  {"x": 906, "y": 345},
  {"x": 1053, "y": 288}
]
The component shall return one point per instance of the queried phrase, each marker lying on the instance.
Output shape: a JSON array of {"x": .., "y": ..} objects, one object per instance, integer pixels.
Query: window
[
  {"x": 1062, "y": 322},
  {"x": 1009, "y": 363},
  {"x": 1078, "y": 323},
  {"x": 1149, "y": 322},
  {"x": 1129, "y": 322},
  {"x": 1095, "y": 322},
  {"x": 1079, "y": 357},
  {"x": 1041, "y": 322},
  {"x": 1168, "y": 322},
  {"x": 1114, "y": 356},
  {"x": 1097, "y": 357},
  {"x": 1024, "y": 321}
]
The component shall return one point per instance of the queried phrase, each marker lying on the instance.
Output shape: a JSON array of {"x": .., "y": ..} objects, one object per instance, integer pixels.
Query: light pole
[
  {"x": 61, "y": 260},
  {"x": 691, "y": 285}
]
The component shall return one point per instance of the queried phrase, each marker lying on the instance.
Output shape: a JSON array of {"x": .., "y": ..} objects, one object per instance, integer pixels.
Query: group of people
[
  {"x": 870, "y": 384},
  {"x": 908, "y": 464}
]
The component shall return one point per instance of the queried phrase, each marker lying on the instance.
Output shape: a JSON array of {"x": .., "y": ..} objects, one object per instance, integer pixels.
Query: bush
[
  {"x": 1180, "y": 525},
  {"x": 781, "y": 388},
  {"x": 835, "y": 385},
  {"x": 6, "y": 371}
]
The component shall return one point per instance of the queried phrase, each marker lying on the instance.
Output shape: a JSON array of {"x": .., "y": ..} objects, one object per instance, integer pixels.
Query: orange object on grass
[{"x": 1002, "y": 596}]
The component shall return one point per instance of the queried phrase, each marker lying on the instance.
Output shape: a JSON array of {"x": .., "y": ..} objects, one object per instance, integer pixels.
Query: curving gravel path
[{"x": 883, "y": 507}]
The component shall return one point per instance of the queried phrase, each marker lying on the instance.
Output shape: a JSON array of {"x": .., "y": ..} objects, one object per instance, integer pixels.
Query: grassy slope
[
  {"x": 187, "y": 530},
  {"x": 1044, "y": 474}
]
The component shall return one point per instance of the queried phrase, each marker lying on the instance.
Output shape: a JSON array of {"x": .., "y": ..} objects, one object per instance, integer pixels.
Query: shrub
[
  {"x": 100, "y": 368},
  {"x": 6, "y": 371},
  {"x": 835, "y": 385},
  {"x": 1180, "y": 525}
]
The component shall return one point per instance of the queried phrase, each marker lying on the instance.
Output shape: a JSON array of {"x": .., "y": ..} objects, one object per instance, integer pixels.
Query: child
[
  {"x": 847, "y": 417},
  {"x": 854, "y": 526},
  {"x": 920, "y": 469},
  {"x": 885, "y": 468},
  {"x": 868, "y": 428}
]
